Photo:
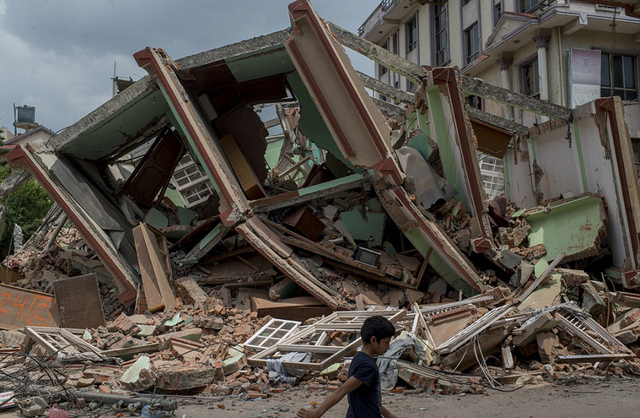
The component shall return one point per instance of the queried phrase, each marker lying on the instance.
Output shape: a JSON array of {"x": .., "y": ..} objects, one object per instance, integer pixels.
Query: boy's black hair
[{"x": 376, "y": 326}]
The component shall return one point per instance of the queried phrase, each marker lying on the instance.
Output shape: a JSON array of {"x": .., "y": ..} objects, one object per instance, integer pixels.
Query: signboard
[
  {"x": 6, "y": 400},
  {"x": 584, "y": 76},
  {"x": 21, "y": 307}
]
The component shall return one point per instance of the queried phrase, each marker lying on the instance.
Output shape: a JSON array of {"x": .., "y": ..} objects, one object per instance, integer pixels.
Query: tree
[{"x": 26, "y": 205}]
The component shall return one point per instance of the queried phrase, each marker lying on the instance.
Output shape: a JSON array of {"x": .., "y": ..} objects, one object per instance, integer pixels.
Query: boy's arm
[
  {"x": 387, "y": 414},
  {"x": 347, "y": 387}
]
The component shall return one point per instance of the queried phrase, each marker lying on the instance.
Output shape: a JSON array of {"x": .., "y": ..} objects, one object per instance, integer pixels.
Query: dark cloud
[{"x": 59, "y": 55}]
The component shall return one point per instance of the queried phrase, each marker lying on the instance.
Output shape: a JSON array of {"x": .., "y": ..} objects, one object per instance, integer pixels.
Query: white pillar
[
  {"x": 542, "y": 41},
  {"x": 505, "y": 64}
]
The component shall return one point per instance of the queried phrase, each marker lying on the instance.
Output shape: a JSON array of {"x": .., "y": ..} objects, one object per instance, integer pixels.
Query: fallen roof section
[
  {"x": 95, "y": 236},
  {"x": 234, "y": 207}
]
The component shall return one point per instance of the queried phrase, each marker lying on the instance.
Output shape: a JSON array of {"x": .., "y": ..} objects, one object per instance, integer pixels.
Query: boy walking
[{"x": 363, "y": 386}]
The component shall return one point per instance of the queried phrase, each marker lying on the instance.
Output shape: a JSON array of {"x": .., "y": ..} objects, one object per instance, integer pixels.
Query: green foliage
[{"x": 26, "y": 206}]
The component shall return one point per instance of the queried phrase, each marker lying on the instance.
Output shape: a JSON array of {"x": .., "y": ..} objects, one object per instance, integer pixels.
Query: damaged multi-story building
[{"x": 564, "y": 52}]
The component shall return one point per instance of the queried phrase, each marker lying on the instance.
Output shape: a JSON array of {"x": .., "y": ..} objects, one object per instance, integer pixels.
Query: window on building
[
  {"x": 618, "y": 71},
  {"x": 474, "y": 101},
  {"x": 394, "y": 43},
  {"x": 530, "y": 78},
  {"x": 492, "y": 172},
  {"x": 412, "y": 34},
  {"x": 497, "y": 12},
  {"x": 410, "y": 85},
  {"x": 472, "y": 43},
  {"x": 382, "y": 70},
  {"x": 441, "y": 36},
  {"x": 528, "y": 5}
]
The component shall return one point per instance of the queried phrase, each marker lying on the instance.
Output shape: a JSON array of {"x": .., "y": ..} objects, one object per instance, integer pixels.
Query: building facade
[{"x": 567, "y": 52}]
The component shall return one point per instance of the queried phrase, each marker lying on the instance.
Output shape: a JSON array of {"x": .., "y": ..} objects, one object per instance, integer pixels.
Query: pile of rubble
[{"x": 231, "y": 262}]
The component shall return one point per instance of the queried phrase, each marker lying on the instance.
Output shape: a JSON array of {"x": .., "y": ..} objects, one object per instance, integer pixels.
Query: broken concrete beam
[
  {"x": 184, "y": 377},
  {"x": 547, "y": 343},
  {"x": 190, "y": 292},
  {"x": 627, "y": 327},
  {"x": 294, "y": 309},
  {"x": 191, "y": 334},
  {"x": 592, "y": 303},
  {"x": 284, "y": 289},
  {"x": 489, "y": 342},
  {"x": 630, "y": 300},
  {"x": 508, "y": 361},
  {"x": 526, "y": 333},
  {"x": 185, "y": 349},
  {"x": 573, "y": 277},
  {"x": 236, "y": 360},
  {"x": 139, "y": 376}
]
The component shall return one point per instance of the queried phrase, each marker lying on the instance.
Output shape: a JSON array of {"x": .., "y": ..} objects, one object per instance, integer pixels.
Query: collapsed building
[{"x": 355, "y": 207}]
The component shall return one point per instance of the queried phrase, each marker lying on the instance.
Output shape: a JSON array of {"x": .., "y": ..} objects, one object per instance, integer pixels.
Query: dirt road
[{"x": 618, "y": 398}]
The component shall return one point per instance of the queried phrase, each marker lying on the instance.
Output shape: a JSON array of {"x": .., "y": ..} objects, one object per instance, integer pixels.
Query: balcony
[{"x": 387, "y": 16}]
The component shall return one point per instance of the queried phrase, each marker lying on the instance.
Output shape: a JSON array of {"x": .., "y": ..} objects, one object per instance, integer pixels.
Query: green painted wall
[{"x": 570, "y": 227}]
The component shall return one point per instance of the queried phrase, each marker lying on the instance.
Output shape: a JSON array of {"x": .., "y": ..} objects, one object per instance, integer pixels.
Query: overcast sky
[{"x": 58, "y": 55}]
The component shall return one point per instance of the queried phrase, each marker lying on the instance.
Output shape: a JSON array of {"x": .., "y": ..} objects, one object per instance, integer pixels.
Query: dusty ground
[{"x": 614, "y": 398}]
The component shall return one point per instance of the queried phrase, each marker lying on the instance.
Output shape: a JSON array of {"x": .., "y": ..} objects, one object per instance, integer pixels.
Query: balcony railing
[{"x": 376, "y": 16}]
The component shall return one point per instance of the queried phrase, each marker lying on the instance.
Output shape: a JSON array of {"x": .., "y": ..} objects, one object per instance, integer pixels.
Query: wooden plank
[
  {"x": 131, "y": 351},
  {"x": 62, "y": 343},
  {"x": 151, "y": 290},
  {"x": 242, "y": 169},
  {"x": 223, "y": 256},
  {"x": 157, "y": 289},
  {"x": 321, "y": 349},
  {"x": 270, "y": 246},
  {"x": 542, "y": 277},
  {"x": 21, "y": 307},
  {"x": 79, "y": 303}
]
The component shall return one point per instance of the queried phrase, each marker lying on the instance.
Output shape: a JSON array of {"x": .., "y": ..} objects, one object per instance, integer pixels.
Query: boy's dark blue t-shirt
[{"x": 366, "y": 400}]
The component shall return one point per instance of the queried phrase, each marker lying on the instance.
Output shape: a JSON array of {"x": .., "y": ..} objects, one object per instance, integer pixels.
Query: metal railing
[{"x": 382, "y": 7}]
